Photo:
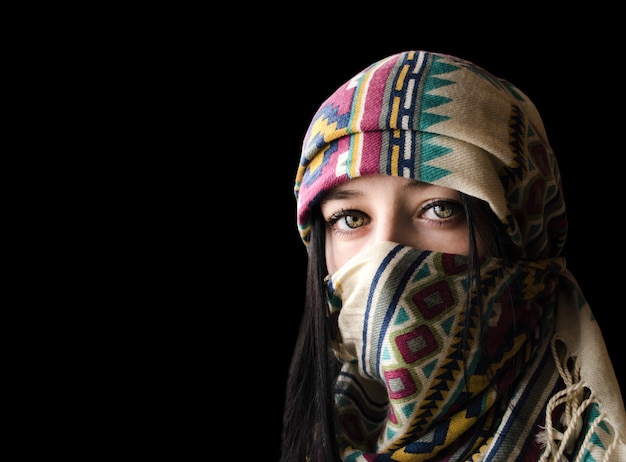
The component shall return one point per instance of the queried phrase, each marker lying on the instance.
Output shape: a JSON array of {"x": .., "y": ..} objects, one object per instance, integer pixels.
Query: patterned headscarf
[
  {"x": 539, "y": 383},
  {"x": 445, "y": 121}
]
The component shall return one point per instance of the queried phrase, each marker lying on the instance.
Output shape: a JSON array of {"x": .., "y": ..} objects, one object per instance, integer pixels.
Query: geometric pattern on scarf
[
  {"x": 402, "y": 393},
  {"x": 410, "y": 115}
]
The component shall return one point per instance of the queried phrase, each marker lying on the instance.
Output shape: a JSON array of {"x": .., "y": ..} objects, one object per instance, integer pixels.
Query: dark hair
[{"x": 309, "y": 419}]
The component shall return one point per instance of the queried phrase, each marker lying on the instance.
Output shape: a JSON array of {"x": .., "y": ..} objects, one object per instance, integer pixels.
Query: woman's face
[{"x": 372, "y": 209}]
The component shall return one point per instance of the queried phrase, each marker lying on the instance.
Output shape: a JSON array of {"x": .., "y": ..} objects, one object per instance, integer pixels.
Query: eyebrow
[
  {"x": 350, "y": 193},
  {"x": 343, "y": 194}
]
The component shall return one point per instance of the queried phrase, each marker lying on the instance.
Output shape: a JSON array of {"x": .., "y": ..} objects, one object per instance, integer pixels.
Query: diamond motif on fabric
[
  {"x": 416, "y": 344},
  {"x": 433, "y": 300},
  {"x": 399, "y": 383}
]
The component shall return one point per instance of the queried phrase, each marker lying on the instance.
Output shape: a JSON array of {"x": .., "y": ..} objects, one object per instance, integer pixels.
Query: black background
[
  {"x": 188, "y": 124},
  {"x": 572, "y": 77}
]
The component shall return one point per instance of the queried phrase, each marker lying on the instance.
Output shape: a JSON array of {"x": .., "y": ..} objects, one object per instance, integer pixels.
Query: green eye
[
  {"x": 353, "y": 221},
  {"x": 444, "y": 210},
  {"x": 347, "y": 220}
]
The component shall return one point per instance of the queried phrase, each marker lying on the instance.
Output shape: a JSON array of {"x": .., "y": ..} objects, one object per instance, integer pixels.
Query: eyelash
[
  {"x": 446, "y": 204},
  {"x": 339, "y": 215}
]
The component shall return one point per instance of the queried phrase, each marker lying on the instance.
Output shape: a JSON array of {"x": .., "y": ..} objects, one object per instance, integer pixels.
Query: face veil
[{"x": 400, "y": 316}]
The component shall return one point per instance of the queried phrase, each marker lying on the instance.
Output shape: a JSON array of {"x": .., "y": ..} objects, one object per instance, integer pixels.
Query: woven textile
[
  {"x": 543, "y": 388},
  {"x": 403, "y": 395},
  {"x": 411, "y": 115}
]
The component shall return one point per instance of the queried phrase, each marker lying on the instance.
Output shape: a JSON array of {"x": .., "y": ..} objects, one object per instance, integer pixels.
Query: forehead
[{"x": 367, "y": 184}]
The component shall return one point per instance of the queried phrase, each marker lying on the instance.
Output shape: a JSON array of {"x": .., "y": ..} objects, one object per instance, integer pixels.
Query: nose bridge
[{"x": 392, "y": 227}]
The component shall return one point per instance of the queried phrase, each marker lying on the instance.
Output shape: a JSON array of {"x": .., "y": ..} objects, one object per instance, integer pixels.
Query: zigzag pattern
[
  {"x": 420, "y": 357},
  {"x": 448, "y": 380},
  {"x": 411, "y": 115}
]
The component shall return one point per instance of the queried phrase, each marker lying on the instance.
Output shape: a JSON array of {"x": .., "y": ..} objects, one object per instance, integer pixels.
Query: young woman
[{"x": 440, "y": 321}]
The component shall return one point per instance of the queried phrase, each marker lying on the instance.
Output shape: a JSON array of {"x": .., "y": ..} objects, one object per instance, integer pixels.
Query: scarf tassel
[{"x": 555, "y": 442}]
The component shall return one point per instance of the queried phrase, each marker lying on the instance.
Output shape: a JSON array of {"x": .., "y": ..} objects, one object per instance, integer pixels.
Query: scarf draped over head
[
  {"x": 524, "y": 373},
  {"x": 444, "y": 121}
]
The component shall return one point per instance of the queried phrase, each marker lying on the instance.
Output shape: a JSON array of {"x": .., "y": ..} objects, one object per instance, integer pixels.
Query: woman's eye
[
  {"x": 352, "y": 221},
  {"x": 346, "y": 220},
  {"x": 442, "y": 210}
]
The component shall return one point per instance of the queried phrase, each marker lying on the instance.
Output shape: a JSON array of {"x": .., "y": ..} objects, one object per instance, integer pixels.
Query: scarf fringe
[{"x": 555, "y": 442}]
